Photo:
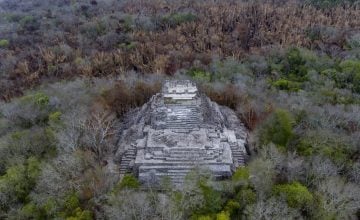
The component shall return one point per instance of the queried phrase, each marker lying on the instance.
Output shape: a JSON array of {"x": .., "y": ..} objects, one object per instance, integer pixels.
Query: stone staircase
[
  {"x": 237, "y": 155},
  {"x": 177, "y": 162},
  {"x": 175, "y": 172},
  {"x": 183, "y": 117},
  {"x": 128, "y": 156}
]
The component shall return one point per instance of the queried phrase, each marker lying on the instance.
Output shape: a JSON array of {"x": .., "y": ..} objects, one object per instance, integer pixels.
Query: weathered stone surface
[{"x": 180, "y": 129}]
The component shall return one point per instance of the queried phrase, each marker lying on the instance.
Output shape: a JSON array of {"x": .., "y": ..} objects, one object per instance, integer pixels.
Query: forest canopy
[{"x": 71, "y": 70}]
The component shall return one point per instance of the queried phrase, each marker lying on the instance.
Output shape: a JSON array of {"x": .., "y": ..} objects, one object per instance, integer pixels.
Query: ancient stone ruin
[{"x": 177, "y": 130}]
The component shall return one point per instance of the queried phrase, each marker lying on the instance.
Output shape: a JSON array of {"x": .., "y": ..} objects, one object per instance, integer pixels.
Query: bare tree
[
  {"x": 262, "y": 175},
  {"x": 98, "y": 132},
  {"x": 319, "y": 168},
  {"x": 272, "y": 209},
  {"x": 129, "y": 204},
  {"x": 341, "y": 199},
  {"x": 70, "y": 130}
]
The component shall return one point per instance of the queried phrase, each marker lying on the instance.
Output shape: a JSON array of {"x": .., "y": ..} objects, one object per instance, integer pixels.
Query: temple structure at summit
[{"x": 180, "y": 129}]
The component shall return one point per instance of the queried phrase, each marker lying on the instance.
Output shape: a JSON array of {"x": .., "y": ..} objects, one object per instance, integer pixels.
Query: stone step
[
  {"x": 186, "y": 149},
  {"x": 189, "y": 159},
  {"x": 187, "y": 156},
  {"x": 182, "y": 120},
  {"x": 182, "y": 125}
]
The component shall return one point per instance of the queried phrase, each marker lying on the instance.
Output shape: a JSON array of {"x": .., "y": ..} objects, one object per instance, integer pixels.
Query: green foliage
[
  {"x": 33, "y": 169},
  {"x": 297, "y": 195},
  {"x": 223, "y": 215},
  {"x": 347, "y": 75},
  {"x": 277, "y": 129},
  {"x": 128, "y": 182},
  {"x": 81, "y": 215},
  {"x": 326, "y": 144},
  {"x": 241, "y": 174},
  {"x": 295, "y": 68},
  {"x": 4, "y": 43},
  {"x": 72, "y": 209},
  {"x": 212, "y": 199},
  {"x": 288, "y": 85},
  {"x": 55, "y": 118},
  {"x": 40, "y": 99},
  {"x": 232, "y": 206},
  {"x": 245, "y": 196},
  {"x": 37, "y": 142},
  {"x": 350, "y": 66},
  {"x": 31, "y": 211},
  {"x": 18, "y": 181},
  {"x": 203, "y": 217},
  {"x": 200, "y": 75},
  {"x": 71, "y": 203}
]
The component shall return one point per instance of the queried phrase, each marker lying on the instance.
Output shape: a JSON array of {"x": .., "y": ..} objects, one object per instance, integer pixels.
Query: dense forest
[{"x": 71, "y": 69}]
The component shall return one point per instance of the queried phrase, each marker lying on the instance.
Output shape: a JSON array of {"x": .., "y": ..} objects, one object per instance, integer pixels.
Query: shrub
[
  {"x": 71, "y": 203},
  {"x": 223, "y": 215},
  {"x": 41, "y": 99},
  {"x": 295, "y": 65},
  {"x": 31, "y": 211},
  {"x": 277, "y": 128},
  {"x": 288, "y": 85},
  {"x": 4, "y": 43},
  {"x": 55, "y": 118},
  {"x": 203, "y": 217},
  {"x": 350, "y": 75},
  {"x": 72, "y": 209},
  {"x": 350, "y": 66},
  {"x": 128, "y": 182},
  {"x": 296, "y": 195},
  {"x": 81, "y": 215},
  {"x": 232, "y": 206},
  {"x": 241, "y": 174},
  {"x": 37, "y": 142},
  {"x": 18, "y": 182},
  {"x": 200, "y": 75},
  {"x": 246, "y": 196},
  {"x": 212, "y": 199},
  {"x": 336, "y": 147}
]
